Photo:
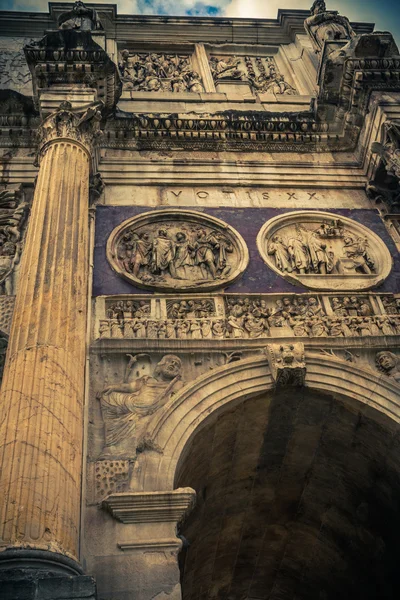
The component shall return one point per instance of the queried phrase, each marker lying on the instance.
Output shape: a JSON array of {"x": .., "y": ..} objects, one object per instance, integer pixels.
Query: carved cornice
[
  {"x": 64, "y": 124},
  {"x": 150, "y": 507},
  {"x": 250, "y": 131},
  {"x": 73, "y": 57}
]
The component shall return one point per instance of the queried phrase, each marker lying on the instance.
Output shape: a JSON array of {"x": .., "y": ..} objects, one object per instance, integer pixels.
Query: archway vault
[{"x": 171, "y": 430}]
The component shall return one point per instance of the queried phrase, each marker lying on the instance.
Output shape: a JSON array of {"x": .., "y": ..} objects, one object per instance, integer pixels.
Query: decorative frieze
[
  {"x": 159, "y": 72},
  {"x": 260, "y": 72},
  {"x": 177, "y": 249},
  {"x": 321, "y": 251},
  {"x": 249, "y": 317}
]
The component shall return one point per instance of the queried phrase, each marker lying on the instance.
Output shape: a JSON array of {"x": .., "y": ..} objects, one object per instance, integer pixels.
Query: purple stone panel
[{"x": 248, "y": 222}]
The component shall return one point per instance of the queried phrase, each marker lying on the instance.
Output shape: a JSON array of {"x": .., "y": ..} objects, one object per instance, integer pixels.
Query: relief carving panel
[
  {"x": 126, "y": 405},
  {"x": 261, "y": 73},
  {"x": 321, "y": 251},
  {"x": 249, "y": 317},
  {"x": 157, "y": 72},
  {"x": 177, "y": 250}
]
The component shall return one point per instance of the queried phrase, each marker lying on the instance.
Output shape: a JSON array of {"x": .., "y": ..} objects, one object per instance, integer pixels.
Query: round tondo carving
[
  {"x": 177, "y": 250},
  {"x": 323, "y": 251}
]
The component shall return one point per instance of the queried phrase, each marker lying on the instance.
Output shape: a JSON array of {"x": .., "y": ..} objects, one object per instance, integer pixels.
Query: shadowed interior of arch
[{"x": 298, "y": 496}]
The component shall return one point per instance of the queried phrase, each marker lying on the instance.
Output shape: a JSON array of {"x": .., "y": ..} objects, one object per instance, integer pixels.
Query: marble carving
[
  {"x": 125, "y": 405},
  {"x": 156, "y": 72},
  {"x": 324, "y": 251},
  {"x": 261, "y": 73},
  {"x": 177, "y": 250}
]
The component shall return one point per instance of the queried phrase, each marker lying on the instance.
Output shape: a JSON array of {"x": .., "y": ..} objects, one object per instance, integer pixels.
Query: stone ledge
[{"x": 150, "y": 507}]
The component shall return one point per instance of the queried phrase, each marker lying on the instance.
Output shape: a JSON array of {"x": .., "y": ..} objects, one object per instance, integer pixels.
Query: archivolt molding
[{"x": 172, "y": 428}]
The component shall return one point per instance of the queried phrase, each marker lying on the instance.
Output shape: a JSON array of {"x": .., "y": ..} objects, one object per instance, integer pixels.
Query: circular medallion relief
[
  {"x": 323, "y": 251},
  {"x": 177, "y": 250}
]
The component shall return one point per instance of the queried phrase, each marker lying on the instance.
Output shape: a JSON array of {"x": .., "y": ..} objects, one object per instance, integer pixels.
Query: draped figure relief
[{"x": 177, "y": 249}]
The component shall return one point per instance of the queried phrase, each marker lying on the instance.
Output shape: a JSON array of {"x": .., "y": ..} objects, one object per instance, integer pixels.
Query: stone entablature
[{"x": 252, "y": 316}]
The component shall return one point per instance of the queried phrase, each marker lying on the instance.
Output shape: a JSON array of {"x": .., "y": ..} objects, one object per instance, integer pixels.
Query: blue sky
[{"x": 384, "y": 13}]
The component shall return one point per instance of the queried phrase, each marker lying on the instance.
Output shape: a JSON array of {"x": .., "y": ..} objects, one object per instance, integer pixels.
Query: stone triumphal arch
[{"x": 199, "y": 306}]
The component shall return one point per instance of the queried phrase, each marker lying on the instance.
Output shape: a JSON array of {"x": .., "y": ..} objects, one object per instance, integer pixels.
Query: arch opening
[{"x": 298, "y": 496}]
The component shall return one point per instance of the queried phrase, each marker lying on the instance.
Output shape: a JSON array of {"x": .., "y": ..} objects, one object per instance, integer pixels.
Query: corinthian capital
[{"x": 66, "y": 124}]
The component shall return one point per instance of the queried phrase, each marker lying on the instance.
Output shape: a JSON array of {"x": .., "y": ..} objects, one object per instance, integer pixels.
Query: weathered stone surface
[{"x": 279, "y": 406}]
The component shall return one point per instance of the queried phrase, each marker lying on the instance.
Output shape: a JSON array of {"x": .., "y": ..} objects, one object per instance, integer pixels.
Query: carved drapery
[{"x": 324, "y": 251}]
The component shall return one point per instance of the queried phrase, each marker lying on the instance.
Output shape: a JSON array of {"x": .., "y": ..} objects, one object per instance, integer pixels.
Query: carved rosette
[
  {"x": 66, "y": 125},
  {"x": 324, "y": 251},
  {"x": 177, "y": 250}
]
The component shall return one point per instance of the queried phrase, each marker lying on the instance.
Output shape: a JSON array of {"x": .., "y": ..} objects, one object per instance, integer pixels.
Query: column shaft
[{"x": 41, "y": 401}]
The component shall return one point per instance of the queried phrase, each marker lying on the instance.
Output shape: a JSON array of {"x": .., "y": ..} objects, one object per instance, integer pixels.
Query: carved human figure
[
  {"x": 117, "y": 329},
  {"x": 183, "y": 260},
  {"x": 299, "y": 256},
  {"x": 279, "y": 86},
  {"x": 254, "y": 326},
  {"x": 279, "y": 250},
  {"x": 80, "y": 17},
  {"x": 225, "y": 68},
  {"x": 9, "y": 258},
  {"x": 389, "y": 149},
  {"x": 335, "y": 328},
  {"x": 299, "y": 326},
  {"x": 321, "y": 258},
  {"x": 210, "y": 251},
  {"x": 338, "y": 308},
  {"x": 125, "y": 405},
  {"x": 140, "y": 328},
  {"x": 170, "y": 330},
  {"x": 182, "y": 329},
  {"x": 356, "y": 251},
  {"x": 178, "y": 83},
  {"x": 325, "y": 26},
  {"x": 384, "y": 325},
  {"x": 206, "y": 331},
  {"x": 218, "y": 329},
  {"x": 195, "y": 329},
  {"x": 287, "y": 363},
  {"x": 194, "y": 83},
  {"x": 104, "y": 329},
  {"x": 163, "y": 253},
  {"x": 235, "y": 327},
  {"x": 317, "y": 327},
  {"x": 388, "y": 363}
]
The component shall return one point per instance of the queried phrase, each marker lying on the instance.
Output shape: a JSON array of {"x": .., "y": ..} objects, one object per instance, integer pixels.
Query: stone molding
[
  {"x": 173, "y": 427},
  {"x": 173, "y": 544},
  {"x": 374, "y": 263},
  {"x": 150, "y": 507},
  {"x": 231, "y": 256}
]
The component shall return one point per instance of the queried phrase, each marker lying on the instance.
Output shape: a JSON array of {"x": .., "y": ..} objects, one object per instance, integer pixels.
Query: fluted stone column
[{"x": 41, "y": 401}]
